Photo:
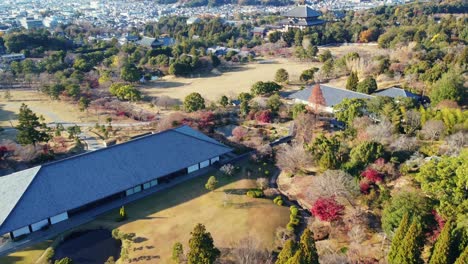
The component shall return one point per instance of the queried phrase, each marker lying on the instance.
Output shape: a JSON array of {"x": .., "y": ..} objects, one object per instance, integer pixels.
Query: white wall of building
[
  {"x": 204, "y": 164},
  {"x": 59, "y": 218},
  {"x": 213, "y": 160},
  {"x": 21, "y": 231},
  {"x": 193, "y": 168},
  {"x": 39, "y": 225}
]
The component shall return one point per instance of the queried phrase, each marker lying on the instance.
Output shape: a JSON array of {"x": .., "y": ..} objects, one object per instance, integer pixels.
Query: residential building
[
  {"x": 44, "y": 195},
  {"x": 12, "y": 57},
  {"x": 30, "y": 23},
  {"x": 333, "y": 95}
]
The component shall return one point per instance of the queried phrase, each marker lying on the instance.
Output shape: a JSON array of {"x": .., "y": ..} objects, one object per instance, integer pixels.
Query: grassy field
[
  {"x": 51, "y": 110},
  {"x": 169, "y": 216},
  {"x": 229, "y": 83},
  {"x": 27, "y": 256}
]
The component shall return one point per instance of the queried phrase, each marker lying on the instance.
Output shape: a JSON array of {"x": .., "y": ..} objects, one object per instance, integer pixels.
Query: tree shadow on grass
[
  {"x": 179, "y": 194},
  {"x": 6, "y": 115}
]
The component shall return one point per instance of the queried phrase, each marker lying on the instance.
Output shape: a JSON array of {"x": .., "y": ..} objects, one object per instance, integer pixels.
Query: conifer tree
[
  {"x": 31, "y": 128},
  {"x": 352, "y": 81},
  {"x": 287, "y": 252},
  {"x": 397, "y": 238},
  {"x": 307, "y": 247},
  {"x": 441, "y": 253},
  {"x": 463, "y": 258},
  {"x": 298, "y": 258},
  {"x": 202, "y": 249},
  {"x": 409, "y": 251}
]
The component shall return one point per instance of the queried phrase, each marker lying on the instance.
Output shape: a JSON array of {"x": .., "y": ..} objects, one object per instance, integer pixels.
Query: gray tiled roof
[
  {"x": 303, "y": 12},
  {"x": 332, "y": 95},
  {"x": 396, "y": 92},
  {"x": 146, "y": 41},
  {"x": 32, "y": 195}
]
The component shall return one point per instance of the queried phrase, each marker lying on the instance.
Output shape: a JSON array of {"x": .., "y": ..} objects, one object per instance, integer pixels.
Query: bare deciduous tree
[
  {"x": 305, "y": 124},
  {"x": 333, "y": 258},
  {"x": 381, "y": 132},
  {"x": 412, "y": 121},
  {"x": 335, "y": 183},
  {"x": 262, "y": 183},
  {"x": 227, "y": 169},
  {"x": 166, "y": 101},
  {"x": 293, "y": 159},
  {"x": 249, "y": 251},
  {"x": 433, "y": 129},
  {"x": 404, "y": 143},
  {"x": 454, "y": 143}
]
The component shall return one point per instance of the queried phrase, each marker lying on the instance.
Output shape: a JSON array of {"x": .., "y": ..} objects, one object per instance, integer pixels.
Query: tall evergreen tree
[
  {"x": 463, "y": 258},
  {"x": 31, "y": 129},
  {"x": 410, "y": 248},
  {"x": 307, "y": 252},
  {"x": 298, "y": 258},
  {"x": 442, "y": 252},
  {"x": 202, "y": 249},
  {"x": 397, "y": 238},
  {"x": 287, "y": 252},
  {"x": 307, "y": 247},
  {"x": 352, "y": 81}
]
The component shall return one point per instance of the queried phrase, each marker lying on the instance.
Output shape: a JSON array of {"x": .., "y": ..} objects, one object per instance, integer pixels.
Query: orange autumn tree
[{"x": 316, "y": 98}]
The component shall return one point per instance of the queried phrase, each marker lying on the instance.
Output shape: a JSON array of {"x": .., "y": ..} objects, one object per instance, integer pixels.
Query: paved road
[{"x": 92, "y": 143}]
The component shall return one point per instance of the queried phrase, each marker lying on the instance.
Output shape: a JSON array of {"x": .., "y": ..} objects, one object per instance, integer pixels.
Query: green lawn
[{"x": 169, "y": 216}]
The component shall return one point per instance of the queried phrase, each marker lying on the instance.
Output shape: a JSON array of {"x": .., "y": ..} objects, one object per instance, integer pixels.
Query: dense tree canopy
[{"x": 194, "y": 102}]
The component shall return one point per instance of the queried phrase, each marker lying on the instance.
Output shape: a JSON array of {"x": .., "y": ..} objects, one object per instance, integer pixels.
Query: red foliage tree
[
  {"x": 316, "y": 97},
  {"x": 264, "y": 116},
  {"x": 437, "y": 229},
  {"x": 206, "y": 119},
  {"x": 372, "y": 175},
  {"x": 364, "y": 186},
  {"x": 327, "y": 209},
  {"x": 239, "y": 132},
  {"x": 3, "y": 152}
]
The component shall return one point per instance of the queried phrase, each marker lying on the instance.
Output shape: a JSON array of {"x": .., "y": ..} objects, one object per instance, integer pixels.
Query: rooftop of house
[
  {"x": 396, "y": 92},
  {"x": 332, "y": 95},
  {"x": 302, "y": 11},
  {"x": 43, "y": 191}
]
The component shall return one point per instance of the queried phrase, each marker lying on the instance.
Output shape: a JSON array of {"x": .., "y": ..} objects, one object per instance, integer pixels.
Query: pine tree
[
  {"x": 352, "y": 81},
  {"x": 463, "y": 258},
  {"x": 441, "y": 253},
  {"x": 307, "y": 248},
  {"x": 287, "y": 252},
  {"x": 31, "y": 129},
  {"x": 298, "y": 258},
  {"x": 410, "y": 248},
  {"x": 397, "y": 238},
  {"x": 202, "y": 249}
]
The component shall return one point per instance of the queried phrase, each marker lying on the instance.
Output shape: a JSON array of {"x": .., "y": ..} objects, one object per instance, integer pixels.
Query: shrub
[
  {"x": 255, "y": 193},
  {"x": 293, "y": 218},
  {"x": 278, "y": 200},
  {"x": 227, "y": 169}
]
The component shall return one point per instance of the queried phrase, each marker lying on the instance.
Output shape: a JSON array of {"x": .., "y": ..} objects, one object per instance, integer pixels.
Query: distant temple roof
[{"x": 302, "y": 11}]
